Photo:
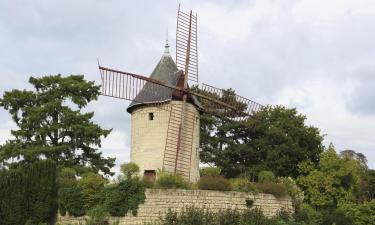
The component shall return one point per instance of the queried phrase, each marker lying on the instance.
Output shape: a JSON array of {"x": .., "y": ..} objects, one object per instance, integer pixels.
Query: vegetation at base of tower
[
  {"x": 124, "y": 196},
  {"x": 129, "y": 170},
  {"x": 91, "y": 185},
  {"x": 167, "y": 180},
  {"x": 243, "y": 185},
  {"x": 210, "y": 171},
  {"x": 51, "y": 124},
  {"x": 28, "y": 194},
  {"x": 214, "y": 183}
]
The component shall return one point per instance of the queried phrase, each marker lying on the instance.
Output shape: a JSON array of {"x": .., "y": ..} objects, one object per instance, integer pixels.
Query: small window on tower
[{"x": 150, "y": 116}]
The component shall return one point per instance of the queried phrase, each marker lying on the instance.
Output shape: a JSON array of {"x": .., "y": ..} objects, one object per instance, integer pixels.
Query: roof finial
[{"x": 166, "y": 47}]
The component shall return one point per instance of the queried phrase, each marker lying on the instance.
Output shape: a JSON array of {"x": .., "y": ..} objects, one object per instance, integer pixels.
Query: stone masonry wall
[{"x": 158, "y": 202}]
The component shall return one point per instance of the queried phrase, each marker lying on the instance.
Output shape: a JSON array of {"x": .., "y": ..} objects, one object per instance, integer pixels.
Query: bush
[
  {"x": 361, "y": 213},
  {"x": 28, "y": 194},
  {"x": 336, "y": 217},
  {"x": 210, "y": 171},
  {"x": 214, "y": 183},
  {"x": 266, "y": 176},
  {"x": 71, "y": 201},
  {"x": 278, "y": 190},
  {"x": 67, "y": 178},
  {"x": 91, "y": 185},
  {"x": 148, "y": 183},
  {"x": 124, "y": 196},
  {"x": 129, "y": 170},
  {"x": 293, "y": 190},
  {"x": 171, "y": 181},
  {"x": 243, "y": 185},
  {"x": 194, "y": 216},
  {"x": 98, "y": 215},
  {"x": 306, "y": 213}
]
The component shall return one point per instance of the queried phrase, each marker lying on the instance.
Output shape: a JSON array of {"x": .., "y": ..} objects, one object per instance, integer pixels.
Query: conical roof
[{"x": 166, "y": 71}]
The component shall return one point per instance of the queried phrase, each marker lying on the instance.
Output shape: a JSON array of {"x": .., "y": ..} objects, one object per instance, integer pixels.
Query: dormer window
[{"x": 151, "y": 116}]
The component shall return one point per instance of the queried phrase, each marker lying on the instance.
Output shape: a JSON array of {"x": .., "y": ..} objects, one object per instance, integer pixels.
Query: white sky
[{"x": 315, "y": 55}]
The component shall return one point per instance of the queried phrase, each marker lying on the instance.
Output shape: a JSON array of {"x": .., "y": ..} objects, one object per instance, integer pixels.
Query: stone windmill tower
[
  {"x": 165, "y": 112},
  {"x": 155, "y": 129}
]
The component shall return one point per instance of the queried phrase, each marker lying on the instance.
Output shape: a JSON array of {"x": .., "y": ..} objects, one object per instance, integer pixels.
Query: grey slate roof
[{"x": 165, "y": 71}]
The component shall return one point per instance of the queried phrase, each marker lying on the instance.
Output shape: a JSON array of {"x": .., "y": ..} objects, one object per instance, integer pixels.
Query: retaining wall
[{"x": 158, "y": 201}]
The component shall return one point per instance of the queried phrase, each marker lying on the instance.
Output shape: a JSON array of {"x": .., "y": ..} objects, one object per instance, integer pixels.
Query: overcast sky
[{"x": 315, "y": 55}]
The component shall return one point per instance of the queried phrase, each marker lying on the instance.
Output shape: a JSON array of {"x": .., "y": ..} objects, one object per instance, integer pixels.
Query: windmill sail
[{"x": 186, "y": 44}]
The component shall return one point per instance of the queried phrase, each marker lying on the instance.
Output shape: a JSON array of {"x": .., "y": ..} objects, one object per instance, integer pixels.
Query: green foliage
[
  {"x": 13, "y": 194},
  {"x": 335, "y": 217},
  {"x": 293, "y": 190},
  {"x": 67, "y": 178},
  {"x": 218, "y": 183},
  {"x": 28, "y": 194},
  {"x": 194, "y": 216},
  {"x": 307, "y": 214},
  {"x": 361, "y": 214},
  {"x": 124, "y": 196},
  {"x": 332, "y": 182},
  {"x": 50, "y": 124},
  {"x": 168, "y": 180},
  {"x": 71, "y": 201},
  {"x": 266, "y": 176},
  {"x": 277, "y": 140},
  {"x": 370, "y": 180},
  {"x": 148, "y": 183},
  {"x": 243, "y": 185},
  {"x": 210, "y": 171},
  {"x": 91, "y": 185},
  {"x": 129, "y": 170},
  {"x": 98, "y": 215},
  {"x": 276, "y": 189},
  {"x": 42, "y": 191}
]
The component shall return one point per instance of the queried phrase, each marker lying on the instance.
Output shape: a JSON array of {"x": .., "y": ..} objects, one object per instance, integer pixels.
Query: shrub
[
  {"x": 124, "y": 196},
  {"x": 210, "y": 171},
  {"x": 71, "y": 201},
  {"x": 214, "y": 183},
  {"x": 148, "y": 183},
  {"x": 91, "y": 185},
  {"x": 336, "y": 217},
  {"x": 168, "y": 180},
  {"x": 67, "y": 178},
  {"x": 278, "y": 190},
  {"x": 98, "y": 215},
  {"x": 189, "y": 216},
  {"x": 28, "y": 194},
  {"x": 266, "y": 176},
  {"x": 243, "y": 185},
  {"x": 361, "y": 213},
  {"x": 129, "y": 170},
  {"x": 306, "y": 213},
  {"x": 293, "y": 190}
]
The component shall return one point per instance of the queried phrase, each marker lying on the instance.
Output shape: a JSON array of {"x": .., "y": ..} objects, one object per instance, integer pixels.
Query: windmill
[{"x": 165, "y": 110}]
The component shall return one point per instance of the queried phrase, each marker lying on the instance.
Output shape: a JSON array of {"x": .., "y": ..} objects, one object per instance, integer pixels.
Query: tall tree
[
  {"x": 51, "y": 124},
  {"x": 277, "y": 139}
]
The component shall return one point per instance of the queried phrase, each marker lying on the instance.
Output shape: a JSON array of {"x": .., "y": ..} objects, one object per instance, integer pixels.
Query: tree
[
  {"x": 129, "y": 169},
  {"x": 276, "y": 139},
  {"x": 51, "y": 124},
  {"x": 91, "y": 185},
  {"x": 332, "y": 182}
]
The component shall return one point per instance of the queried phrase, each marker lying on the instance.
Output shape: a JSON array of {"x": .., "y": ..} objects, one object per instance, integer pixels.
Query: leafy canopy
[
  {"x": 51, "y": 124},
  {"x": 332, "y": 182},
  {"x": 277, "y": 139}
]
